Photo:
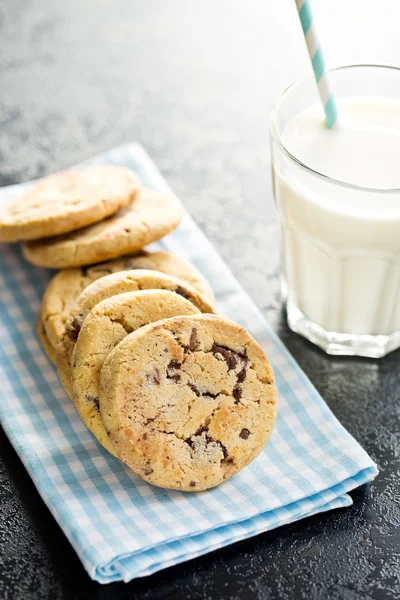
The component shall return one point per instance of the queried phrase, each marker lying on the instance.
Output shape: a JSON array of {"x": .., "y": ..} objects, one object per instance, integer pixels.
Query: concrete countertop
[{"x": 193, "y": 82}]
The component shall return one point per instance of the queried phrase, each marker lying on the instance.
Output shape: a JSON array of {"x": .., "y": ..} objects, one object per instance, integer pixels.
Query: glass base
[{"x": 345, "y": 344}]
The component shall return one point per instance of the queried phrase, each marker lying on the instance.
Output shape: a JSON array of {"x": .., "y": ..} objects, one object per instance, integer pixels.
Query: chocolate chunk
[
  {"x": 203, "y": 433},
  {"x": 148, "y": 471},
  {"x": 244, "y": 434},
  {"x": 237, "y": 394},
  {"x": 190, "y": 442},
  {"x": 200, "y": 430},
  {"x": 194, "y": 389},
  {"x": 241, "y": 376},
  {"x": 199, "y": 393},
  {"x": 224, "y": 450},
  {"x": 93, "y": 400},
  {"x": 144, "y": 436},
  {"x": 192, "y": 484},
  {"x": 232, "y": 362},
  {"x": 179, "y": 290},
  {"x": 176, "y": 377},
  {"x": 208, "y": 395},
  {"x": 230, "y": 357},
  {"x": 243, "y": 355},
  {"x": 193, "y": 339},
  {"x": 225, "y": 353},
  {"x": 154, "y": 377},
  {"x": 173, "y": 364},
  {"x": 75, "y": 327}
]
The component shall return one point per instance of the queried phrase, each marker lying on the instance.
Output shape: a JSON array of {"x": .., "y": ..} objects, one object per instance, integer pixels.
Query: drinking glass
[{"x": 340, "y": 263}]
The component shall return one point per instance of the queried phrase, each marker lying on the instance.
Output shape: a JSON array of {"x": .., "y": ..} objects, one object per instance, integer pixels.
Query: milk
[{"x": 341, "y": 245}]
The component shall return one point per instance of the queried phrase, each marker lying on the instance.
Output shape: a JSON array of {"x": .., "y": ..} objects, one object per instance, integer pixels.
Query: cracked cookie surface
[
  {"x": 67, "y": 201},
  {"x": 65, "y": 287},
  {"x": 148, "y": 218},
  {"x": 105, "y": 326},
  {"x": 106, "y": 287},
  {"x": 188, "y": 402}
]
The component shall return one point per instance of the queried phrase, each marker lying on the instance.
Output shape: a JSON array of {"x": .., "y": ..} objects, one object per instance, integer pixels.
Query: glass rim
[{"x": 275, "y": 135}]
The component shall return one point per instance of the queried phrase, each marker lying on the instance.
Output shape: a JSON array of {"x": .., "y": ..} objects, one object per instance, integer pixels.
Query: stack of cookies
[{"x": 182, "y": 396}]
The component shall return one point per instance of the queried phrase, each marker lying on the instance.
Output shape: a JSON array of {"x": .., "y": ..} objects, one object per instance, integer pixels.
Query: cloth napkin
[{"x": 120, "y": 526}]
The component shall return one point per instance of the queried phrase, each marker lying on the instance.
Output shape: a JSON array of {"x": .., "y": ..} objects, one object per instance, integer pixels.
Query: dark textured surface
[{"x": 193, "y": 82}]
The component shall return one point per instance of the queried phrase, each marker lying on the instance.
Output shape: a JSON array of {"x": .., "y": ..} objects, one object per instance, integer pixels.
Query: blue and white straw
[{"x": 318, "y": 63}]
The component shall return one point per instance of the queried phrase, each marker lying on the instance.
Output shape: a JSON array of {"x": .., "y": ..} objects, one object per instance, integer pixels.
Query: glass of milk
[{"x": 338, "y": 197}]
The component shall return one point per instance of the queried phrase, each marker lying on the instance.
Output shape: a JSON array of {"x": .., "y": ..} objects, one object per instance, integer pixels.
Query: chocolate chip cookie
[
  {"x": 67, "y": 201},
  {"x": 105, "y": 326},
  {"x": 188, "y": 402},
  {"x": 106, "y": 287},
  {"x": 148, "y": 218},
  {"x": 65, "y": 287}
]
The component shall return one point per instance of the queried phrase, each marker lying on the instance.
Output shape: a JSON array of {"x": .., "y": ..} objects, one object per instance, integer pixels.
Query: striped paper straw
[{"x": 318, "y": 63}]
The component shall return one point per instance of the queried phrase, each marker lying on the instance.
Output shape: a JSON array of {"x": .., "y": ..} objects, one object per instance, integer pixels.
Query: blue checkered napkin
[{"x": 120, "y": 526}]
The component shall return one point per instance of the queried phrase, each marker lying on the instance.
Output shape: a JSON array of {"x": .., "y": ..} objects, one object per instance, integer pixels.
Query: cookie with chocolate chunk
[
  {"x": 105, "y": 326},
  {"x": 188, "y": 402},
  {"x": 67, "y": 201},
  {"x": 106, "y": 287},
  {"x": 65, "y": 287},
  {"x": 148, "y": 218}
]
